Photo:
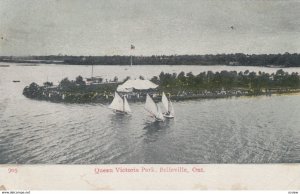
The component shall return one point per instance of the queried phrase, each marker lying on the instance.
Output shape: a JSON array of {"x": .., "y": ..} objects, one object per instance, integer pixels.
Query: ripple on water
[{"x": 235, "y": 130}]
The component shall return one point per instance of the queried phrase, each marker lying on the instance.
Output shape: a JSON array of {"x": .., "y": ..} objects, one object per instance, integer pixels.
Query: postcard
[{"x": 149, "y": 94}]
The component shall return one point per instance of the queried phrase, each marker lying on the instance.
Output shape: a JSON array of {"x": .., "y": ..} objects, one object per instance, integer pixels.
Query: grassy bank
[{"x": 178, "y": 87}]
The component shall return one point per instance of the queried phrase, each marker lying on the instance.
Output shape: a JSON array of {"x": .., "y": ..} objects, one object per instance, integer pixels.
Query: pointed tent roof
[{"x": 137, "y": 84}]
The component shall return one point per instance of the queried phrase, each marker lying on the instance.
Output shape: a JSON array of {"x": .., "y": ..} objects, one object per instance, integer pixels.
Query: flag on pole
[{"x": 132, "y": 47}]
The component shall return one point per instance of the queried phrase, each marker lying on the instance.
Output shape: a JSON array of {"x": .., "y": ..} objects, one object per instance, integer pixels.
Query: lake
[{"x": 232, "y": 130}]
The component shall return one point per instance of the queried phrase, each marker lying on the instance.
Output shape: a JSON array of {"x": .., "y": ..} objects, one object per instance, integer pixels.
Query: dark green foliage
[
  {"x": 72, "y": 91},
  {"x": 278, "y": 60},
  {"x": 33, "y": 90},
  {"x": 116, "y": 79},
  {"x": 181, "y": 86},
  {"x": 66, "y": 84},
  {"x": 48, "y": 84},
  {"x": 127, "y": 78},
  {"x": 155, "y": 80},
  {"x": 79, "y": 80},
  {"x": 227, "y": 80}
]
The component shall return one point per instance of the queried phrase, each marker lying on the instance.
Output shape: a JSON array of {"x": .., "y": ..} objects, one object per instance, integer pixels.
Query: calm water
[{"x": 235, "y": 130}]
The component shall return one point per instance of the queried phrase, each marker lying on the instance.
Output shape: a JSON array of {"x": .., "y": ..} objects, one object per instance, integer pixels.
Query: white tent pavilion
[{"x": 136, "y": 84}]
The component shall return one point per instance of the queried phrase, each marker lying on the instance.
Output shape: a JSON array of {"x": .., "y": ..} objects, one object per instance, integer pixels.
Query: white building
[{"x": 137, "y": 84}]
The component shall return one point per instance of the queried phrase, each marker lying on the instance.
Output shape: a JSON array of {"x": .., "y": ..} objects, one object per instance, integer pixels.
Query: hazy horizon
[
  {"x": 168, "y": 27},
  {"x": 147, "y": 55}
]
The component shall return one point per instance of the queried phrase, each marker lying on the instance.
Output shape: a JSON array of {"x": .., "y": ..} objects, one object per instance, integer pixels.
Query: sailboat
[
  {"x": 120, "y": 105},
  {"x": 153, "y": 109},
  {"x": 168, "y": 106}
]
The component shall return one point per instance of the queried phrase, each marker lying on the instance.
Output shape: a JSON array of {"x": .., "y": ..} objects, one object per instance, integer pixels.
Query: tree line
[
  {"x": 204, "y": 81},
  {"x": 227, "y": 80},
  {"x": 230, "y": 82},
  {"x": 237, "y": 59}
]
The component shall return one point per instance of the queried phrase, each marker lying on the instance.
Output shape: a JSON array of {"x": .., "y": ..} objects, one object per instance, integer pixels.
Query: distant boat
[
  {"x": 153, "y": 109},
  {"x": 120, "y": 105},
  {"x": 169, "y": 110},
  {"x": 16, "y": 81},
  {"x": 28, "y": 65},
  {"x": 4, "y": 65}
]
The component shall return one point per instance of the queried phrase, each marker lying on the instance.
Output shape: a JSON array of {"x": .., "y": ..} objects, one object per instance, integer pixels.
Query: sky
[{"x": 155, "y": 27}]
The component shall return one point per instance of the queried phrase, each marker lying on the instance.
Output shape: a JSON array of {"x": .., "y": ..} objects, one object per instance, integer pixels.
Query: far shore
[{"x": 237, "y": 59}]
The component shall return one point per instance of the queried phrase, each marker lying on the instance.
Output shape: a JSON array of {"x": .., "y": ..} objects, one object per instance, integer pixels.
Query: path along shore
[{"x": 92, "y": 95}]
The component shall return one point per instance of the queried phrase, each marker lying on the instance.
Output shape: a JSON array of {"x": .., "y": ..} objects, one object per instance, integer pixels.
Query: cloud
[{"x": 100, "y": 27}]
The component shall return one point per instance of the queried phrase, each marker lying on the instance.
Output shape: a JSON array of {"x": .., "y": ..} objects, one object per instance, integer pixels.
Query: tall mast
[{"x": 123, "y": 103}]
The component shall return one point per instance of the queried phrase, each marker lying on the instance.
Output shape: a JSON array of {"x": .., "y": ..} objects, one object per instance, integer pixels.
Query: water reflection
[
  {"x": 154, "y": 126},
  {"x": 235, "y": 130},
  {"x": 117, "y": 119},
  {"x": 155, "y": 130}
]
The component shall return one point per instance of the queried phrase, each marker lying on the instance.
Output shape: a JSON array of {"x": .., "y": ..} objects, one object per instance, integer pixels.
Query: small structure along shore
[
  {"x": 93, "y": 95},
  {"x": 177, "y": 87}
]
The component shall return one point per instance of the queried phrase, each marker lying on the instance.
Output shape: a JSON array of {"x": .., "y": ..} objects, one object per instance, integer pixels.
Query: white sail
[
  {"x": 150, "y": 106},
  {"x": 168, "y": 106},
  {"x": 126, "y": 105},
  {"x": 165, "y": 102},
  {"x": 171, "y": 109},
  {"x": 117, "y": 103},
  {"x": 159, "y": 114}
]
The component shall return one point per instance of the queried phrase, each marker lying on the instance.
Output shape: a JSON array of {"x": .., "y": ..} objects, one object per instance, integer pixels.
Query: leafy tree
[
  {"x": 66, "y": 84},
  {"x": 79, "y": 80},
  {"x": 116, "y": 79},
  {"x": 127, "y": 78},
  {"x": 155, "y": 79},
  {"x": 33, "y": 86},
  {"x": 48, "y": 84}
]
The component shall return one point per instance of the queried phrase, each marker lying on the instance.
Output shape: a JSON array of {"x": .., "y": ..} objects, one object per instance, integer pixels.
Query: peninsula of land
[{"x": 182, "y": 86}]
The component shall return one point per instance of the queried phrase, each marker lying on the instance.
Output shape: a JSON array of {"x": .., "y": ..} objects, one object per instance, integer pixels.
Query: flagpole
[{"x": 132, "y": 47}]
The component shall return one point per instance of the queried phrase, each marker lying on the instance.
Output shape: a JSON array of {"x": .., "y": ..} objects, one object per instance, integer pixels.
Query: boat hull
[
  {"x": 120, "y": 112},
  {"x": 159, "y": 120},
  {"x": 169, "y": 116}
]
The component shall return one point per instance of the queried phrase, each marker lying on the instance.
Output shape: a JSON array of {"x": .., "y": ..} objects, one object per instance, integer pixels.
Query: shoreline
[
  {"x": 177, "y": 87},
  {"x": 87, "y": 98},
  {"x": 278, "y": 60},
  {"x": 38, "y": 63}
]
